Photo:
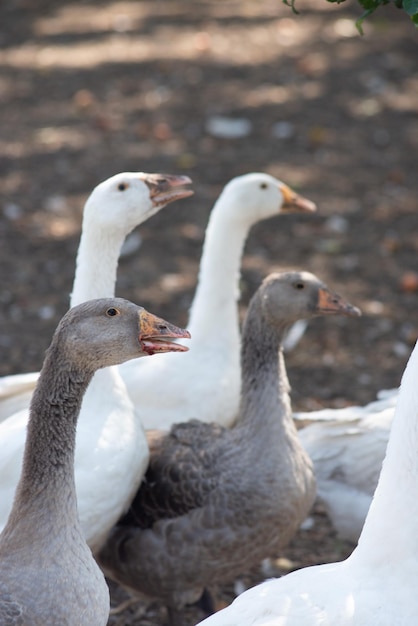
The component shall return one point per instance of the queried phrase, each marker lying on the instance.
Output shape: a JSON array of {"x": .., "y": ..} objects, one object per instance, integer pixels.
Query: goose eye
[
  {"x": 299, "y": 285},
  {"x": 263, "y": 185},
  {"x": 112, "y": 312},
  {"x": 122, "y": 186}
]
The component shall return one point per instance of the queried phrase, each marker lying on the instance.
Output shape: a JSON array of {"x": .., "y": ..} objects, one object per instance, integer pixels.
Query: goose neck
[
  {"x": 219, "y": 274},
  {"x": 391, "y": 527},
  {"x": 46, "y": 488},
  {"x": 265, "y": 396},
  {"x": 97, "y": 262}
]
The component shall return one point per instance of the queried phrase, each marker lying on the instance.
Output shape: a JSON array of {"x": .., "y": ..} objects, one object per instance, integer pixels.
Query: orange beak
[
  {"x": 332, "y": 304},
  {"x": 294, "y": 203},
  {"x": 156, "y": 334}
]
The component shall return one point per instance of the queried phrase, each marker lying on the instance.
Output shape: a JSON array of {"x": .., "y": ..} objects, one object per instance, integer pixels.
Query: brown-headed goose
[
  {"x": 215, "y": 500},
  {"x": 48, "y": 576}
]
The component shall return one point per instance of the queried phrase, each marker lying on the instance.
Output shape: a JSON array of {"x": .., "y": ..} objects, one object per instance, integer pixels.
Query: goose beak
[
  {"x": 294, "y": 203},
  {"x": 332, "y": 304},
  {"x": 165, "y": 188},
  {"x": 156, "y": 335}
]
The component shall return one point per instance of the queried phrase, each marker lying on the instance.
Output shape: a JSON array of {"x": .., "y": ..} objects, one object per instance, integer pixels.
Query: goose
[
  {"x": 112, "y": 452},
  {"x": 15, "y": 392},
  {"x": 376, "y": 583},
  {"x": 347, "y": 447},
  {"x": 215, "y": 500},
  {"x": 48, "y": 575},
  {"x": 114, "y": 208},
  {"x": 213, "y": 362}
]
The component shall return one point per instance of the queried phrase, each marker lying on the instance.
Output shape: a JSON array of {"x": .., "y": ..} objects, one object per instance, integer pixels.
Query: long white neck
[
  {"x": 97, "y": 263},
  {"x": 213, "y": 309},
  {"x": 95, "y": 277},
  {"x": 391, "y": 527}
]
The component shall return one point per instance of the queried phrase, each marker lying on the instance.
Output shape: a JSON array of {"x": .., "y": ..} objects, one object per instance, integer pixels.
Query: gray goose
[
  {"x": 216, "y": 501},
  {"x": 48, "y": 576}
]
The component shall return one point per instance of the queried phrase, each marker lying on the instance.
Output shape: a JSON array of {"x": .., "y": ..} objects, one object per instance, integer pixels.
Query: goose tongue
[
  {"x": 165, "y": 188},
  {"x": 330, "y": 303},
  {"x": 157, "y": 335}
]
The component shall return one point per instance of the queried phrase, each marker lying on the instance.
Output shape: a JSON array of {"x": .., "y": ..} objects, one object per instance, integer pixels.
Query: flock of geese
[{"x": 175, "y": 473}]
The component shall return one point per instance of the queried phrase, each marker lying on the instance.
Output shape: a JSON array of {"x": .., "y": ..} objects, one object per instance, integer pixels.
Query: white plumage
[
  {"x": 347, "y": 447},
  {"x": 111, "y": 451},
  {"x": 206, "y": 385},
  {"x": 376, "y": 584}
]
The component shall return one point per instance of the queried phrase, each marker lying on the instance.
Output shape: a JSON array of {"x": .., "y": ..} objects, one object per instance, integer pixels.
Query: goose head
[
  {"x": 127, "y": 199},
  {"x": 257, "y": 196},
  {"x": 290, "y": 296},
  {"x": 115, "y": 330}
]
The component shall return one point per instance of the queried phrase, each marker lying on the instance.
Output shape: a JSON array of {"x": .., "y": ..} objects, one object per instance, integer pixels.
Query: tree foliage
[{"x": 369, "y": 6}]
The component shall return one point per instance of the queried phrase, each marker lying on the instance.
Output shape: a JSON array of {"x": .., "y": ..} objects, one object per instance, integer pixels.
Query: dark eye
[
  {"x": 299, "y": 285},
  {"x": 263, "y": 185},
  {"x": 122, "y": 186},
  {"x": 112, "y": 312}
]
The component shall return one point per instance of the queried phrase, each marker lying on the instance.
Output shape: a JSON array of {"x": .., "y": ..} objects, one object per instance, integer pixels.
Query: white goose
[
  {"x": 347, "y": 447},
  {"x": 15, "y": 392},
  {"x": 111, "y": 453},
  {"x": 376, "y": 584},
  {"x": 214, "y": 360}
]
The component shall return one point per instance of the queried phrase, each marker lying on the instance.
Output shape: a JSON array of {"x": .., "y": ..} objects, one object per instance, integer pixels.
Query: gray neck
[
  {"x": 265, "y": 395},
  {"x": 46, "y": 490}
]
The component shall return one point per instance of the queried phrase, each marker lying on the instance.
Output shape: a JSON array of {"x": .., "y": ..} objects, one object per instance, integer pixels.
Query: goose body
[
  {"x": 376, "y": 584},
  {"x": 215, "y": 500},
  {"x": 347, "y": 447},
  {"x": 48, "y": 575},
  {"x": 214, "y": 361},
  {"x": 111, "y": 452},
  {"x": 15, "y": 393}
]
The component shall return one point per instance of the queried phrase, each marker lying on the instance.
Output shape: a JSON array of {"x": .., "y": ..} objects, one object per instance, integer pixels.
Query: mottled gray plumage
[
  {"x": 216, "y": 501},
  {"x": 48, "y": 576}
]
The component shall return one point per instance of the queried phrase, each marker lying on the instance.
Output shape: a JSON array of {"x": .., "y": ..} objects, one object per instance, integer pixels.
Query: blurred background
[{"x": 214, "y": 89}]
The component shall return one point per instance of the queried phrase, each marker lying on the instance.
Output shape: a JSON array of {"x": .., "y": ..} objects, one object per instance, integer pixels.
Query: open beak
[
  {"x": 165, "y": 188},
  {"x": 330, "y": 303},
  {"x": 156, "y": 335},
  {"x": 294, "y": 203}
]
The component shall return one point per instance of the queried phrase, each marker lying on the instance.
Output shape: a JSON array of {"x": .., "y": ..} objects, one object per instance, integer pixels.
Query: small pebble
[
  {"x": 409, "y": 282},
  {"x": 12, "y": 211},
  {"x": 401, "y": 349},
  {"x": 228, "y": 127},
  {"x": 337, "y": 224},
  {"x": 46, "y": 312},
  {"x": 283, "y": 130}
]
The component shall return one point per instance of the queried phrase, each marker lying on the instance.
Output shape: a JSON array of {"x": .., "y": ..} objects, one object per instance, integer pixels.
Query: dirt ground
[{"x": 89, "y": 89}]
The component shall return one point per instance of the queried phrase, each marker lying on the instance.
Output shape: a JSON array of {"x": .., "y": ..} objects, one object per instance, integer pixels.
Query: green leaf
[
  {"x": 411, "y": 7},
  {"x": 359, "y": 22},
  {"x": 291, "y": 4},
  {"x": 370, "y": 5}
]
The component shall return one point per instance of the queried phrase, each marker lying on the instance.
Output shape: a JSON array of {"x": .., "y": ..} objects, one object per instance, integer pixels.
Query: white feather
[{"x": 376, "y": 584}]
